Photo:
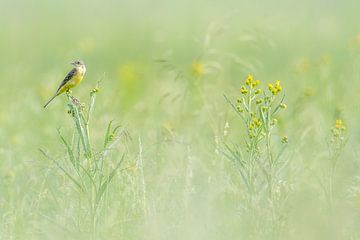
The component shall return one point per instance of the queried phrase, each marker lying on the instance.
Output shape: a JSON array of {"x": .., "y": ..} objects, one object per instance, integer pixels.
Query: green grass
[{"x": 159, "y": 152}]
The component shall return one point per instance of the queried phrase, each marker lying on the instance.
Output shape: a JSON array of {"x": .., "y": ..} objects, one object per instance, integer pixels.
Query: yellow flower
[
  {"x": 326, "y": 59},
  {"x": 277, "y": 83},
  {"x": 243, "y": 90},
  {"x": 302, "y": 66},
  {"x": 278, "y": 87},
  {"x": 270, "y": 86},
  {"x": 15, "y": 140},
  {"x": 254, "y": 123},
  {"x": 9, "y": 174},
  {"x": 275, "y": 89},
  {"x": 309, "y": 92},
  {"x": 249, "y": 79},
  {"x": 284, "y": 139},
  {"x": 251, "y": 82},
  {"x": 339, "y": 125},
  {"x": 198, "y": 69},
  {"x": 255, "y": 83},
  {"x": 127, "y": 73}
]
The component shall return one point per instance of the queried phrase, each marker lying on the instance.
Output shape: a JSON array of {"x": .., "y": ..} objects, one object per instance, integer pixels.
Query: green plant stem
[{"x": 270, "y": 162}]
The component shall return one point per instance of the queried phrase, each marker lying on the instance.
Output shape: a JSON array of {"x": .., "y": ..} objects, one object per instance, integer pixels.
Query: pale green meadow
[{"x": 195, "y": 120}]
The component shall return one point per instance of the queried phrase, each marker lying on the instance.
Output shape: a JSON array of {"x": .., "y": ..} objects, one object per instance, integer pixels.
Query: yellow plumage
[{"x": 76, "y": 80}]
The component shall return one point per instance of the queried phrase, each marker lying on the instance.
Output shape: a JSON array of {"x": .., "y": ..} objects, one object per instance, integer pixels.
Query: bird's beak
[{"x": 72, "y": 63}]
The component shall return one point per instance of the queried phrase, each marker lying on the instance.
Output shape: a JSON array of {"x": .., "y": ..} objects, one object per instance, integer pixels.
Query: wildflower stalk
[
  {"x": 257, "y": 109},
  {"x": 335, "y": 147}
]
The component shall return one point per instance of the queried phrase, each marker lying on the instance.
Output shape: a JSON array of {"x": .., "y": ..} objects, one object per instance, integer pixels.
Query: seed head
[
  {"x": 283, "y": 105},
  {"x": 274, "y": 122},
  {"x": 238, "y": 107},
  {"x": 95, "y": 90},
  {"x": 258, "y": 101}
]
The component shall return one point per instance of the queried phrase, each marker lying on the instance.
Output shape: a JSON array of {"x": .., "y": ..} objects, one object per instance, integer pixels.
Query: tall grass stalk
[{"x": 141, "y": 168}]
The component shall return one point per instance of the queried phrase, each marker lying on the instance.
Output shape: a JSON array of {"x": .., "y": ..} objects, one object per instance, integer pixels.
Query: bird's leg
[
  {"x": 68, "y": 93},
  {"x": 75, "y": 101}
]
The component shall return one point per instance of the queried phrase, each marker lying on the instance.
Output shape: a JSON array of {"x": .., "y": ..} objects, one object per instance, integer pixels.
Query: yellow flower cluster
[
  {"x": 243, "y": 90},
  {"x": 198, "y": 69},
  {"x": 254, "y": 108},
  {"x": 251, "y": 82},
  {"x": 255, "y": 123},
  {"x": 275, "y": 88},
  {"x": 284, "y": 139},
  {"x": 338, "y": 129},
  {"x": 339, "y": 125}
]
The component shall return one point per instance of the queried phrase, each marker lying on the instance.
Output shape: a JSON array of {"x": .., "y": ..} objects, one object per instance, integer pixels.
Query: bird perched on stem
[{"x": 72, "y": 79}]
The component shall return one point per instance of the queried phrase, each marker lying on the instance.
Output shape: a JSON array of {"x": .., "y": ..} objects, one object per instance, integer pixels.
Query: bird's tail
[{"x": 50, "y": 100}]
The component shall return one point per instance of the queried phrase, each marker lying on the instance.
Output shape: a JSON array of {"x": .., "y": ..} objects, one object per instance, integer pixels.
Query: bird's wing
[{"x": 69, "y": 76}]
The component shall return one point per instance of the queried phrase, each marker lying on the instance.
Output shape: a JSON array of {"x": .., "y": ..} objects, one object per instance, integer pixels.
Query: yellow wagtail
[{"x": 72, "y": 79}]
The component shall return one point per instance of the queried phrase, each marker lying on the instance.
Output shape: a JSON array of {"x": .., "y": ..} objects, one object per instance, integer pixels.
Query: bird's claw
[{"x": 75, "y": 101}]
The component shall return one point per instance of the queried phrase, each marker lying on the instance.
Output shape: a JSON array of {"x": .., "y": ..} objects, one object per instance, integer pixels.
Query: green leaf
[
  {"x": 64, "y": 170},
  {"x": 69, "y": 150}
]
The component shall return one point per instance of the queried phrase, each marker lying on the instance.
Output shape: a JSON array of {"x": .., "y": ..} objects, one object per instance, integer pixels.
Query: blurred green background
[{"x": 164, "y": 67}]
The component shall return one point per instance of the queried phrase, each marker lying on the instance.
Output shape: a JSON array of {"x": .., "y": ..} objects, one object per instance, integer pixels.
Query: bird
[{"x": 72, "y": 79}]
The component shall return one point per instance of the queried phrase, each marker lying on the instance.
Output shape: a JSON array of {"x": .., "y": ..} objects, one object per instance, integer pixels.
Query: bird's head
[{"x": 78, "y": 63}]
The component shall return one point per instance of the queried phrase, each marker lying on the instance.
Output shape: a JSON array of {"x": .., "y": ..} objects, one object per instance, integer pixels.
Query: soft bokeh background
[{"x": 164, "y": 67}]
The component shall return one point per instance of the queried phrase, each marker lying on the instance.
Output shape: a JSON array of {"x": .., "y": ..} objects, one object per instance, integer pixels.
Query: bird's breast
[{"x": 76, "y": 79}]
